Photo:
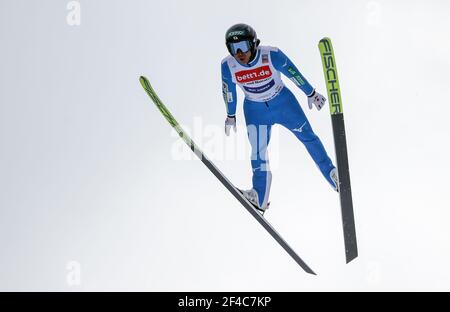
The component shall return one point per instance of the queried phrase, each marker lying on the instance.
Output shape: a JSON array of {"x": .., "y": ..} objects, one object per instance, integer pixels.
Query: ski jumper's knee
[{"x": 304, "y": 133}]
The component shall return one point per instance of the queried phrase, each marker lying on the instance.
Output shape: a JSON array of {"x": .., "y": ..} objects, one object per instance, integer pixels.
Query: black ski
[
  {"x": 340, "y": 144},
  {"x": 162, "y": 108}
]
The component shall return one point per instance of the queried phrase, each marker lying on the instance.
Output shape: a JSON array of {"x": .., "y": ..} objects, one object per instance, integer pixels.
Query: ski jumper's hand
[
  {"x": 317, "y": 99},
  {"x": 283, "y": 64},
  {"x": 230, "y": 122}
]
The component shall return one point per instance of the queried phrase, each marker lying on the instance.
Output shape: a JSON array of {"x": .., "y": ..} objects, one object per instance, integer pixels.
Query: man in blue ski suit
[{"x": 256, "y": 69}]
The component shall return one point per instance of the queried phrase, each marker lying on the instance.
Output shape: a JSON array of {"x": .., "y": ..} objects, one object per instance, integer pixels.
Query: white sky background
[{"x": 94, "y": 198}]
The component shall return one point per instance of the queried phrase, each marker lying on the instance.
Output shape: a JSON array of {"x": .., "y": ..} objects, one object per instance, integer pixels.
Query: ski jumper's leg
[
  {"x": 293, "y": 118},
  {"x": 257, "y": 118}
]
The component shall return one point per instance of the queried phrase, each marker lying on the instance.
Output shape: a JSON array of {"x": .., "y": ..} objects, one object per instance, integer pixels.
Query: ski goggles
[{"x": 244, "y": 46}]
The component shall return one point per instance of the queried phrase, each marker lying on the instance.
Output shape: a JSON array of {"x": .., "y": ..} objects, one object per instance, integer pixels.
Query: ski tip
[
  {"x": 144, "y": 82},
  {"x": 325, "y": 41}
]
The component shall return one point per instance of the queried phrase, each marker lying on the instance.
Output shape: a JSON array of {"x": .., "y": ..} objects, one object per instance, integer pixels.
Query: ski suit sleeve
[
  {"x": 283, "y": 64},
  {"x": 228, "y": 90}
]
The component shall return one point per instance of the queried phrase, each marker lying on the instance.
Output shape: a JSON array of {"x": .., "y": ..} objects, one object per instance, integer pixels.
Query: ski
[
  {"x": 219, "y": 175},
  {"x": 340, "y": 145}
]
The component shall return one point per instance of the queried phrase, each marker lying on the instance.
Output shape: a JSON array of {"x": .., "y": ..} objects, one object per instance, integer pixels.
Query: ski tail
[{"x": 340, "y": 144}]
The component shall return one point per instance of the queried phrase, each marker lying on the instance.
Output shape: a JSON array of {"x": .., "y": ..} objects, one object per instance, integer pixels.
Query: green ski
[
  {"x": 340, "y": 145},
  {"x": 219, "y": 175}
]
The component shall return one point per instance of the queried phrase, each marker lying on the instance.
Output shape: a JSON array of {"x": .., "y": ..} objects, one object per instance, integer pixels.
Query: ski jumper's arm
[
  {"x": 228, "y": 90},
  {"x": 283, "y": 64}
]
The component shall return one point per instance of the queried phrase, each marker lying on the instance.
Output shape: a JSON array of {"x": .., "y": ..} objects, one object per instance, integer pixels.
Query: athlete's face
[{"x": 242, "y": 57}]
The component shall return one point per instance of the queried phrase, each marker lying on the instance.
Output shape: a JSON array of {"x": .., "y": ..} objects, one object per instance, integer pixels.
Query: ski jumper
[{"x": 267, "y": 102}]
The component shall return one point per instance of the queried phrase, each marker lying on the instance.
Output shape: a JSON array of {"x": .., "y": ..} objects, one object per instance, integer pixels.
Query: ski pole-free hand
[
  {"x": 317, "y": 99},
  {"x": 230, "y": 122}
]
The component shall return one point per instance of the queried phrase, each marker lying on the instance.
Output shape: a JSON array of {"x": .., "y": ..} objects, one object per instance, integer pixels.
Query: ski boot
[
  {"x": 252, "y": 197},
  {"x": 334, "y": 177}
]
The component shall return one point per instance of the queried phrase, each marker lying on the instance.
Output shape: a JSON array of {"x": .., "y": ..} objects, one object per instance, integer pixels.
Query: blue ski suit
[{"x": 267, "y": 102}]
